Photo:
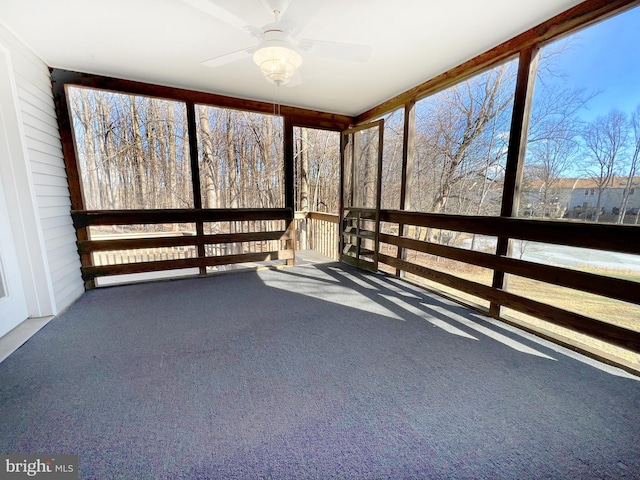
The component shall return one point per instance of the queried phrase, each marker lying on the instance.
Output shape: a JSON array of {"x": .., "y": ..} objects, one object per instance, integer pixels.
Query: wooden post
[
  {"x": 303, "y": 157},
  {"x": 195, "y": 181},
  {"x": 376, "y": 243},
  {"x": 289, "y": 183},
  {"x": 290, "y": 243},
  {"x": 408, "y": 145},
  {"x": 344, "y": 138},
  {"x": 289, "y": 165},
  {"x": 527, "y": 69},
  {"x": 71, "y": 166}
]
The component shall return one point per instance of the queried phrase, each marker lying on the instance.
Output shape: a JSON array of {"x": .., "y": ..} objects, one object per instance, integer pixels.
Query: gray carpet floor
[{"x": 319, "y": 371}]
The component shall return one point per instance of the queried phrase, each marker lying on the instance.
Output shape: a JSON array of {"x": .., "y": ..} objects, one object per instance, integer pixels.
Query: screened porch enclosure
[{"x": 454, "y": 185}]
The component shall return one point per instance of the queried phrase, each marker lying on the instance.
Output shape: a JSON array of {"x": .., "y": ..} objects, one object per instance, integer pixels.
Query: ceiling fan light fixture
[{"x": 278, "y": 62}]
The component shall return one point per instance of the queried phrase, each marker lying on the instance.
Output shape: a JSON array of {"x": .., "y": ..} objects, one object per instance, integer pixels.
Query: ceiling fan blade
[
  {"x": 348, "y": 52},
  {"x": 298, "y": 14},
  {"x": 210, "y": 8},
  {"x": 227, "y": 58}
]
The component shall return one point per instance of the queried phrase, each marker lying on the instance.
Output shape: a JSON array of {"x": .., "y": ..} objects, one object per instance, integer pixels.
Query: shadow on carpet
[{"x": 313, "y": 372}]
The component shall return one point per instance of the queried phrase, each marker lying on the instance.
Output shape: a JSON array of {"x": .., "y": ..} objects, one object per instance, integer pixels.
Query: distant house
[{"x": 577, "y": 198}]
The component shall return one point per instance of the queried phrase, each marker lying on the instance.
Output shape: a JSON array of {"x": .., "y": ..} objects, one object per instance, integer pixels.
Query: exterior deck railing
[
  {"x": 394, "y": 247},
  {"x": 318, "y": 231},
  {"x": 259, "y": 235},
  {"x": 249, "y": 235},
  {"x": 615, "y": 238}
]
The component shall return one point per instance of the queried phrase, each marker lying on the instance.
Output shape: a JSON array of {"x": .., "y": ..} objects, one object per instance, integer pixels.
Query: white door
[{"x": 13, "y": 306}]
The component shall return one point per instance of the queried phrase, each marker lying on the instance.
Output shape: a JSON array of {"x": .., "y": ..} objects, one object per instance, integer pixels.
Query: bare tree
[
  {"x": 604, "y": 140},
  {"x": 320, "y": 150},
  {"x": 633, "y": 163},
  {"x": 87, "y": 147},
  {"x": 549, "y": 160},
  {"x": 392, "y": 159},
  {"x": 455, "y": 135}
]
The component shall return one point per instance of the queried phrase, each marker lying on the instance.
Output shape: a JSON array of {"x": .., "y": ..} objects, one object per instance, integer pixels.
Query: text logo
[{"x": 50, "y": 467}]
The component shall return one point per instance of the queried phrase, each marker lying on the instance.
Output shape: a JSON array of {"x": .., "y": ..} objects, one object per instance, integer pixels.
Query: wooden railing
[
  {"x": 318, "y": 231},
  {"x": 616, "y": 238},
  {"x": 207, "y": 248},
  {"x": 321, "y": 233},
  {"x": 359, "y": 238}
]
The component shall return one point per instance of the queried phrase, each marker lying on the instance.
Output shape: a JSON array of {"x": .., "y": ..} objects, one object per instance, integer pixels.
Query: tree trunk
[
  {"x": 92, "y": 197},
  {"x": 304, "y": 184},
  {"x": 139, "y": 158}
]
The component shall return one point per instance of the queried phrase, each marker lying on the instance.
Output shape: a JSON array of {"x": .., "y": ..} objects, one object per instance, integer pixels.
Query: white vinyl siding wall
[{"x": 48, "y": 174}]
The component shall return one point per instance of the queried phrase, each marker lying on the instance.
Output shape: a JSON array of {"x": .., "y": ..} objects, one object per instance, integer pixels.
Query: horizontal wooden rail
[
  {"x": 144, "y": 267},
  {"x": 615, "y": 238},
  {"x": 612, "y": 333},
  {"x": 84, "y": 218},
  {"x": 319, "y": 231},
  {"x": 324, "y": 217},
  {"x": 89, "y": 246},
  {"x": 246, "y": 237},
  {"x": 199, "y": 256},
  {"x": 364, "y": 213},
  {"x": 617, "y": 288},
  {"x": 364, "y": 234}
]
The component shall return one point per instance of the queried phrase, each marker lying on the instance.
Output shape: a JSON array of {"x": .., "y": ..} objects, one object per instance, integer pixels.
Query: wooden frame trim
[
  {"x": 566, "y": 22},
  {"x": 609, "y": 237},
  {"x": 616, "y": 238},
  {"x": 341, "y": 182},
  {"x": 82, "y": 218}
]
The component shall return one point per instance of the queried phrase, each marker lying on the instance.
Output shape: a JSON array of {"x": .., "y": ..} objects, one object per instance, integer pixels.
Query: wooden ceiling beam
[
  {"x": 564, "y": 23},
  {"x": 299, "y": 116}
]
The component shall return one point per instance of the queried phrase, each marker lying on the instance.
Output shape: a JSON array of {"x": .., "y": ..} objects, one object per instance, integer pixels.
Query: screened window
[
  {"x": 461, "y": 139},
  {"x": 461, "y": 142},
  {"x": 241, "y": 158},
  {"x": 317, "y": 169},
  {"x": 581, "y": 163},
  {"x": 133, "y": 151},
  {"x": 392, "y": 160},
  {"x": 585, "y": 126}
]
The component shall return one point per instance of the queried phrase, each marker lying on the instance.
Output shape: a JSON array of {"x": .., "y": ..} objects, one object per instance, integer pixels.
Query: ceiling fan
[{"x": 275, "y": 48}]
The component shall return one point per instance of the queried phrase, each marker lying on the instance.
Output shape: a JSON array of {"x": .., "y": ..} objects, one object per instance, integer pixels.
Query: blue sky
[{"x": 606, "y": 57}]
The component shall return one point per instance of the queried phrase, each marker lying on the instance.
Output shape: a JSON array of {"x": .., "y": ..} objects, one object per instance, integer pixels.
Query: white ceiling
[{"x": 165, "y": 41}]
